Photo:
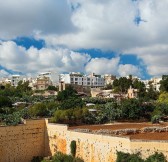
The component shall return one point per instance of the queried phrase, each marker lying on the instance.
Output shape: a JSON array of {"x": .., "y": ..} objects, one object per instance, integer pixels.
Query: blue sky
[{"x": 114, "y": 37}]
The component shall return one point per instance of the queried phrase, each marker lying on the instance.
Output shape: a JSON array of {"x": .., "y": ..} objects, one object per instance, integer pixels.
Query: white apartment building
[
  {"x": 109, "y": 79},
  {"x": 83, "y": 80},
  {"x": 15, "y": 79},
  {"x": 155, "y": 82}
]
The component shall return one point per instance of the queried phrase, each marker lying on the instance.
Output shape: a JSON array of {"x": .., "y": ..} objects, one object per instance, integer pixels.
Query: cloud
[
  {"x": 103, "y": 65},
  {"x": 58, "y": 60},
  {"x": 26, "y": 18},
  {"x": 154, "y": 56},
  {"x": 4, "y": 73},
  {"x": 109, "y": 25},
  {"x": 112, "y": 66},
  {"x": 128, "y": 69},
  {"x": 33, "y": 60},
  {"x": 76, "y": 24}
]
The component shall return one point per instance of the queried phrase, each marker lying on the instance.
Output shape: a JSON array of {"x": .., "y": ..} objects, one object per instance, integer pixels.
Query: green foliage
[
  {"x": 164, "y": 83},
  {"x": 163, "y": 98},
  {"x": 122, "y": 84},
  {"x": 151, "y": 94},
  {"x": 73, "y": 148},
  {"x": 37, "y": 159},
  {"x": 5, "y": 102},
  {"x": 39, "y": 109},
  {"x": 97, "y": 100},
  {"x": 71, "y": 103},
  {"x": 60, "y": 157},
  {"x": 14, "y": 118},
  {"x": 126, "y": 157},
  {"x": 141, "y": 88},
  {"x": 67, "y": 93},
  {"x": 23, "y": 86},
  {"x": 53, "y": 88},
  {"x": 155, "y": 119},
  {"x": 70, "y": 115},
  {"x": 157, "y": 157},
  {"x": 111, "y": 111},
  {"x": 130, "y": 109}
]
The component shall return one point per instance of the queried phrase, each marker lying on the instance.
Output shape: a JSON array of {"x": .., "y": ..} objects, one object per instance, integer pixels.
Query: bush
[
  {"x": 38, "y": 109},
  {"x": 126, "y": 157},
  {"x": 155, "y": 119},
  {"x": 73, "y": 148},
  {"x": 60, "y": 157},
  {"x": 37, "y": 159},
  {"x": 157, "y": 157}
]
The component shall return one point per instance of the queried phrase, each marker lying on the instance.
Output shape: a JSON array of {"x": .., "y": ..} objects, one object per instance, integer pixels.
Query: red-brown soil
[{"x": 116, "y": 126}]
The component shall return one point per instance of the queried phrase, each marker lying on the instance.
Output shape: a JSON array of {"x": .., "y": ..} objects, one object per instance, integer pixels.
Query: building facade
[{"x": 83, "y": 80}]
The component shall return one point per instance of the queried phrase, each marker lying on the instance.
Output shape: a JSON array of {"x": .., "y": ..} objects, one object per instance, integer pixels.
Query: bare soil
[{"x": 116, "y": 126}]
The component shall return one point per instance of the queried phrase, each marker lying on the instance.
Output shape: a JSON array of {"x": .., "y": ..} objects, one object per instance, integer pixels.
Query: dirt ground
[{"x": 116, "y": 126}]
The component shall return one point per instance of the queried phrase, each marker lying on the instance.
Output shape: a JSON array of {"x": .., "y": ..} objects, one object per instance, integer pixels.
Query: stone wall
[
  {"x": 90, "y": 147},
  {"x": 20, "y": 143},
  {"x": 40, "y": 138},
  {"x": 149, "y": 147},
  {"x": 96, "y": 147}
]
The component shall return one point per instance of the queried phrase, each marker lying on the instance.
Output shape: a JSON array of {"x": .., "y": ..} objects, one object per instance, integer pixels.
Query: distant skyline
[{"x": 112, "y": 36}]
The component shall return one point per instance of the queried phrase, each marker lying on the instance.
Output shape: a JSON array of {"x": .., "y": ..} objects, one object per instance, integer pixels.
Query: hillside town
[
  {"x": 83, "y": 81},
  {"x": 124, "y": 107}
]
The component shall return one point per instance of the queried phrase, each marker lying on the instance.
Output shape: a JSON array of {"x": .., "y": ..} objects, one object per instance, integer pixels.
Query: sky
[{"x": 119, "y": 37}]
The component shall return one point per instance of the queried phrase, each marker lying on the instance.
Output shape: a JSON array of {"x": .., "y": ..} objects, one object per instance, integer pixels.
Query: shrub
[
  {"x": 155, "y": 119},
  {"x": 60, "y": 157},
  {"x": 37, "y": 159},
  {"x": 73, "y": 148},
  {"x": 126, "y": 157},
  {"x": 157, "y": 157},
  {"x": 38, "y": 109}
]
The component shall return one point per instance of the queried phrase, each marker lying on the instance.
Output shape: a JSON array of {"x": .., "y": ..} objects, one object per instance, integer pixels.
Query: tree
[
  {"x": 39, "y": 109},
  {"x": 151, "y": 93},
  {"x": 130, "y": 108},
  {"x": 67, "y": 93},
  {"x": 141, "y": 88},
  {"x": 122, "y": 84},
  {"x": 53, "y": 88},
  {"x": 5, "y": 102},
  {"x": 111, "y": 111},
  {"x": 164, "y": 83},
  {"x": 163, "y": 98}
]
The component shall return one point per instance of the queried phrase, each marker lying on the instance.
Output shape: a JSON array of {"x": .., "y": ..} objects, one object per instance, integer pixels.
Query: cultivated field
[{"x": 146, "y": 131}]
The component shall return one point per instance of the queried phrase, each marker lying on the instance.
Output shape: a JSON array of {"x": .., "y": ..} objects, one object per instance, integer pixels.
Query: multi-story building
[
  {"x": 154, "y": 82},
  {"x": 108, "y": 78},
  {"x": 42, "y": 83},
  {"x": 83, "y": 80},
  {"x": 15, "y": 79}
]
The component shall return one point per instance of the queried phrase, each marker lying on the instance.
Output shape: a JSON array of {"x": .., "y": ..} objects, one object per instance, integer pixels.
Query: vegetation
[
  {"x": 73, "y": 148},
  {"x": 68, "y": 107},
  {"x": 126, "y": 157},
  {"x": 60, "y": 157}
]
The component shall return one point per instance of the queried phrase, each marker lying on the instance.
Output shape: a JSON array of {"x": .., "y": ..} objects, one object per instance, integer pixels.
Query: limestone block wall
[
  {"x": 20, "y": 143},
  {"x": 40, "y": 138},
  {"x": 90, "y": 147},
  {"x": 96, "y": 148},
  {"x": 147, "y": 147}
]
